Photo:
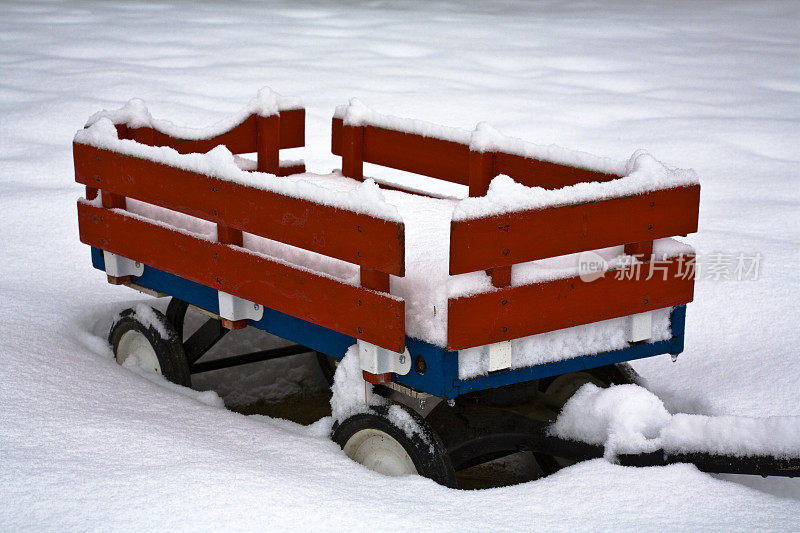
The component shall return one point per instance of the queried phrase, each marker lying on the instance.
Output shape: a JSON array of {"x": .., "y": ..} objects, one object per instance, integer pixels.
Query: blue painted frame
[{"x": 441, "y": 375}]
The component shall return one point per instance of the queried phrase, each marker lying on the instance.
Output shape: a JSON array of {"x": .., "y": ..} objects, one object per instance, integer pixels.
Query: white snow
[
  {"x": 136, "y": 115},
  {"x": 643, "y": 174},
  {"x": 427, "y": 284},
  {"x": 350, "y": 393},
  {"x": 87, "y": 444},
  {"x": 564, "y": 343},
  {"x": 356, "y": 113},
  {"x": 145, "y": 314},
  {"x": 221, "y": 163},
  {"x": 208, "y": 397},
  {"x": 630, "y": 419},
  {"x": 640, "y": 173}
]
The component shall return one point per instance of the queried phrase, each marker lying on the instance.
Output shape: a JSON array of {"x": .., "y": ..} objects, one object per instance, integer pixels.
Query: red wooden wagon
[{"x": 332, "y": 261}]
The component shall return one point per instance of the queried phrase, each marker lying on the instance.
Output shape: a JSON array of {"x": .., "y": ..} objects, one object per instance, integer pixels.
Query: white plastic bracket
[
  {"x": 641, "y": 327},
  {"x": 500, "y": 356},
  {"x": 234, "y": 308},
  {"x": 118, "y": 266},
  {"x": 377, "y": 360}
]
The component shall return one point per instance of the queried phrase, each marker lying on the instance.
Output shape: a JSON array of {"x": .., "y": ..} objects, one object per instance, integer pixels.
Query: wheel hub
[
  {"x": 134, "y": 344},
  {"x": 379, "y": 452}
]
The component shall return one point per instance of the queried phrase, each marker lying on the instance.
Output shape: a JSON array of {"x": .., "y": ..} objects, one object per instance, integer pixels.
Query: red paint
[
  {"x": 228, "y": 235},
  {"x": 268, "y": 139},
  {"x": 481, "y": 172},
  {"x": 113, "y": 201},
  {"x": 119, "y": 280},
  {"x": 353, "y": 237},
  {"x": 512, "y": 238},
  {"x": 242, "y": 139},
  {"x": 516, "y": 312},
  {"x": 453, "y": 161},
  {"x": 641, "y": 250},
  {"x": 353, "y": 152},
  {"x": 501, "y": 276},
  {"x": 291, "y": 169},
  {"x": 428, "y": 156},
  {"x": 368, "y": 315},
  {"x": 372, "y": 279},
  {"x": 537, "y": 173},
  {"x": 376, "y": 379},
  {"x": 233, "y": 324}
]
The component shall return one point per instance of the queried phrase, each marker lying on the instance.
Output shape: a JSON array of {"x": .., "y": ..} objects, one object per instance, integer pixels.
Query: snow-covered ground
[{"x": 84, "y": 443}]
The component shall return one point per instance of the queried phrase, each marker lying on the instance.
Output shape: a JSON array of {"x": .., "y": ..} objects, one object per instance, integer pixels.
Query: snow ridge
[{"x": 135, "y": 114}]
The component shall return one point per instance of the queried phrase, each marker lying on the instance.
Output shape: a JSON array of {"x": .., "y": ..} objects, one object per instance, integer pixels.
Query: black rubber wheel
[
  {"x": 154, "y": 340},
  {"x": 327, "y": 365},
  {"x": 176, "y": 314},
  {"x": 374, "y": 438}
]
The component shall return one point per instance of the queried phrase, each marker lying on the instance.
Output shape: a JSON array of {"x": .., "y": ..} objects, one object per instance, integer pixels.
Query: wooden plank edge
[{"x": 91, "y": 214}]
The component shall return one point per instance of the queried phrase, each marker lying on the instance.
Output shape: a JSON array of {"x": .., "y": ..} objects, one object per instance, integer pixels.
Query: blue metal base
[{"x": 441, "y": 366}]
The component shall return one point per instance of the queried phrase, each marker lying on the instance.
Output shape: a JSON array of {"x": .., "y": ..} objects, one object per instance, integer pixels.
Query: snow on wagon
[{"x": 556, "y": 269}]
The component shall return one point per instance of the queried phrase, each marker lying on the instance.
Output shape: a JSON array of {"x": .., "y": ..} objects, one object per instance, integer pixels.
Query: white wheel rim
[
  {"x": 134, "y": 343},
  {"x": 379, "y": 452}
]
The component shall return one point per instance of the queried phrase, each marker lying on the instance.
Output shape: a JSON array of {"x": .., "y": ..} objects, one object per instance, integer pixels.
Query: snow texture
[
  {"x": 643, "y": 173},
  {"x": 358, "y": 114},
  {"x": 208, "y": 397},
  {"x": 220, "y": 163},
  {"x": 630, "y": 419},
  {"x": 146, "y": 315},
  {"x": 350, "y": 393},
  {"x": 564, "y": 343},
  {"x": 639, "y": 174},
  {"x": 427, "y": 284},
  {"x": 136, "y": 115},
  {"x": 87, "y": 444}
]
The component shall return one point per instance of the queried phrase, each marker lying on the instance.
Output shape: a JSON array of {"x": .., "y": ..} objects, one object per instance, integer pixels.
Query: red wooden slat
[
  {"x": 228, "y": 235},
  {"x": 357, "y": 238},
  {"x": 267, "y": 143},
  {"x": 113, "y": 201},
  {"x": 428, "y": 156},
  {"x": 537, "y": 173},
  {"x": 643, "y": 250},
  {"x": 516, "y": 312},
  {"x": 372, "y": 279},
  {"x": 353, "y": 152},
  {"x": 481, "y": 172},
  {"x": 291, "y": 169},
  {"x": 512, "y": 238},
  {"x": 293, "y": 128},
  {"x": 368, "y": 315},
  {"x": 239, "y": 140}
]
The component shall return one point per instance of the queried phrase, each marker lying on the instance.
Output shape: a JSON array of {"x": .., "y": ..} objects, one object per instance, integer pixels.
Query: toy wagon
[{"x": 459, "y": 310}]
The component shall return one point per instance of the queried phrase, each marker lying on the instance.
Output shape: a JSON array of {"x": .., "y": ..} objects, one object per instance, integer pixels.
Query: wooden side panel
[
  {"x": 361, "y": 313},
  {"x": 537, "y": 173},
  {"x": 516, "y": 312},
  {"x": 293, "y": 128},
  {"x": 513, "y": 238},
  {"x": 239, "y": 140},
  {"x": 357, "y": 238},
  {"x": 428, "y": 156}
]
